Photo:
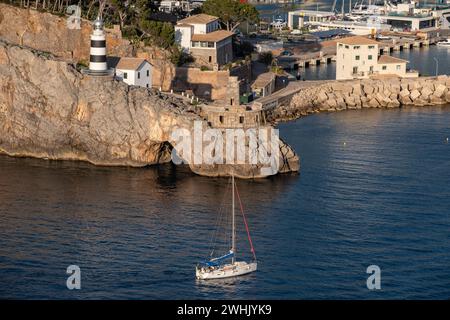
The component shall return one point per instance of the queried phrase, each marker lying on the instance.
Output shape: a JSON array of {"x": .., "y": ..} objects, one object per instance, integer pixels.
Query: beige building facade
[{"x": 358, "y": 58}]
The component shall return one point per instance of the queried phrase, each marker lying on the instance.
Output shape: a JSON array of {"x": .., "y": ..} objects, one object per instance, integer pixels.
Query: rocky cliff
[
  {"x": 357, "y": 94},
  {"x": 50, "y": 110},
  {"x": 49, "y": 33}
]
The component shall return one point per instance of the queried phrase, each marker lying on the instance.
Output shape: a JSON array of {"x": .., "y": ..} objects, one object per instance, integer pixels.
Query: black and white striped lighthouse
[
  {"x": 98, "y": 65},
  {"x": 97, "y": 60}
]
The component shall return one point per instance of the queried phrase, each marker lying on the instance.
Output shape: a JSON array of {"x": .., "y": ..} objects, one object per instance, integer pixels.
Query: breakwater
[{"x": 331, "y": 96}]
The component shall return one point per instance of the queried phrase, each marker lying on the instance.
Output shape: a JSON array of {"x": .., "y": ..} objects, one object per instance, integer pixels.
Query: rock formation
[
  {"x": 50, "y": 110},
  {"x": 357, "y": 94},
  {"x": 47, "y": 32}
]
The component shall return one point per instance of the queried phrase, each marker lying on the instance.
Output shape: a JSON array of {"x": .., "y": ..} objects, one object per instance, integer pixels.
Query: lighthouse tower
[
  {"x": 98, "y": 65},
  {"x": 97, "y": 60}
]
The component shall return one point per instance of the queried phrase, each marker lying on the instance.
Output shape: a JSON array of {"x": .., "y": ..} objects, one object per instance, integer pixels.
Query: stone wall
[
  {"x": 357, "y": 94},
  {"x": 210, "y": 85}
]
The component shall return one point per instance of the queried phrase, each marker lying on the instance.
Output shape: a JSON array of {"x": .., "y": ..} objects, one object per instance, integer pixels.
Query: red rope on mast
[{"x": 246, "y": 225}]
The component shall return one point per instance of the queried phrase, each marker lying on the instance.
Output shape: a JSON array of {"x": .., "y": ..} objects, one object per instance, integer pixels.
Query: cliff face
[
  {"x": 49, "y": 110},
  {"x": 48, "y": 32}
]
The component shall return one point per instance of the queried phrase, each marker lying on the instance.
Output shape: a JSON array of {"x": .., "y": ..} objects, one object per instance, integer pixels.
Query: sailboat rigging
[{"x": 215, "y": 268}]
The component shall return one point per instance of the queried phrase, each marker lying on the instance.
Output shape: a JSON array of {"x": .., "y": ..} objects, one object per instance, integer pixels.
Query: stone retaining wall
[{"x": 357, "y": 94}]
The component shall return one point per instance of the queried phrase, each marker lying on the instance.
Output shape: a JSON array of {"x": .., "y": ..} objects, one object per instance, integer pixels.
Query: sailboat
[{"x": 215, "y": 268}]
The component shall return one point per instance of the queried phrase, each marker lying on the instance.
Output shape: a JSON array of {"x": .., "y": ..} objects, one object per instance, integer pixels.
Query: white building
[
  {"x": 170, "y": 6},
  {"x": 134, "y": 72},
  {"x": 298, "y": 18},
  {"x": 356, "y": 28},
  {"x": 201, "y": 37},
  {"x": 358, "y": 58}
]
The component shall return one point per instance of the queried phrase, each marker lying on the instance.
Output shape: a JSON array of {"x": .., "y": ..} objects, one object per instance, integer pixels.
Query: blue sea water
[{"x": 373, "y": 190}]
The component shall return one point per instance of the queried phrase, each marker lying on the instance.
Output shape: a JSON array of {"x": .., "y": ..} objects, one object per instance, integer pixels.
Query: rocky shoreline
[
  {"x": 50, "y": 110},
  {"x": 389, "y": 93}
]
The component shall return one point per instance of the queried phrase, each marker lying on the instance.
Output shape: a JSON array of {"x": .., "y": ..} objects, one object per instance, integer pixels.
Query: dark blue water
[{"x": 373, "y": 189}]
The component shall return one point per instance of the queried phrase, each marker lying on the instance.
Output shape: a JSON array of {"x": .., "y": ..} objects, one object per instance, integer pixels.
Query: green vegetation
[
  {"x": 178, "y": 57},
  {"x": 266, "y": 58},
  {"x": 82, "y": 65},
  {"x": 133, "y": 16},
  {"x": 135, "y": 19},
  {"x": 231, "y": 12}
]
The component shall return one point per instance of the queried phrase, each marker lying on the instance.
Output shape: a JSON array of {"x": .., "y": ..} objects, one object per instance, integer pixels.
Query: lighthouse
[{"x": 97, "y": 60}]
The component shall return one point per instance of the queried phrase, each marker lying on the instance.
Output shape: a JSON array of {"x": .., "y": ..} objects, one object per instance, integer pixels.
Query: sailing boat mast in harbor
[{"x": 214, "y": 268}]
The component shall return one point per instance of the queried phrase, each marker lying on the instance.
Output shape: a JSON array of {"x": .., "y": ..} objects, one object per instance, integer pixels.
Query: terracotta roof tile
[
  {"x": 129, "y": 63},
  {"x": 214, "y": 36},
  {"x": 357, "y": 40},
  {"x": 198, "y": 18},
  {"x": 384, "y": 59}
]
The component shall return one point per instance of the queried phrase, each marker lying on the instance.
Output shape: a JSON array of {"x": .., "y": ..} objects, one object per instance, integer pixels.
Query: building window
[
  {"x": 147, "y": 85},
  {"x": 210, "y": 59},
  {"x": 384, "y": 67},
  {"x": 357, "y": 57},
  {"x": 346, "y": 47},
  {"x": 356, "y": 47},
  {"x": 148, "y": 73},
  {"x": 340, "y": 46},
  {"x": 371, "y": 47},
  {"x": 125, "y": 75},
  {"x": 398, "y": 67},
  {"x": 139, "y": 75},
  {"x": 355, "y": 70},
  {"x": 370, "y": 57},
  {"x": 221, "y": 119},
  {"x": 241, "y": 119}
]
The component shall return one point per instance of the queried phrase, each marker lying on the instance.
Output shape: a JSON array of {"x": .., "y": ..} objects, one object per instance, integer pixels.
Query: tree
[
  {"x": 266, "y": 57},
  {"x": 231, "y": 12},
  {"x": 122, "y": 10}
]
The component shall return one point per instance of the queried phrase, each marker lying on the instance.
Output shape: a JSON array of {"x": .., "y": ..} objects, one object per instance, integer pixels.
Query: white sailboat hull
[{"x": 239, "y": 268}]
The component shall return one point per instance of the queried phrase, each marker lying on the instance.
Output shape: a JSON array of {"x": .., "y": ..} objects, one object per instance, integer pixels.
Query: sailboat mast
[{"x": 233, "y": 232}]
